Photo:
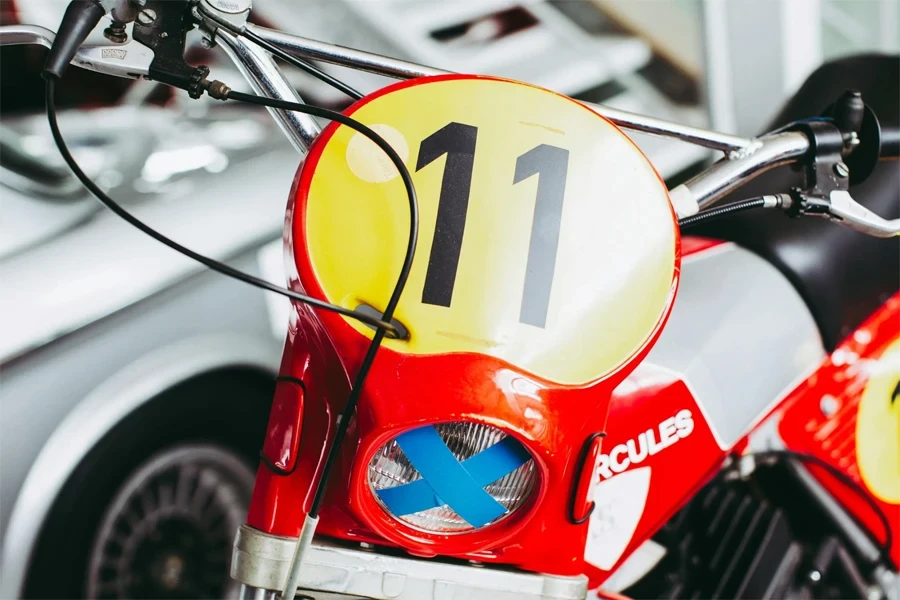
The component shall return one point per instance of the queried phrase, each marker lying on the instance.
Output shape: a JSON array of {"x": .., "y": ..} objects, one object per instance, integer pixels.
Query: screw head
[
  {"x": 146, "y": 16},
  {"x": 841, "y": 170},
  {"x": 206, "y": 43}
]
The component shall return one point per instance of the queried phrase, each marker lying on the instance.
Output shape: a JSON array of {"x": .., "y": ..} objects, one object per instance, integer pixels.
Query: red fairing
[
  {"x": 659, "y": 452},
  {"x": 404, "y": 391},
  {"x": 552, "y": 421},
  {"x": 839, "y": 388}
]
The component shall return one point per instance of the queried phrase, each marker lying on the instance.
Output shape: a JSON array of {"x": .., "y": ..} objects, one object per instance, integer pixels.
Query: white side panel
[{"x": 739, "y": 335}]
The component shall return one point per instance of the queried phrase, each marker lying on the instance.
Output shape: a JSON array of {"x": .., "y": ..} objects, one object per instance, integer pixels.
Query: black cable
[
  {"x": 302, "y": 64},
  {"x": 721, "y": 211},
  {"x": 381, "y": 325},
  {"x": 888, "y": 543},
  {"x": 356, "y": 390},
  {"x": 297, "y": 62}
]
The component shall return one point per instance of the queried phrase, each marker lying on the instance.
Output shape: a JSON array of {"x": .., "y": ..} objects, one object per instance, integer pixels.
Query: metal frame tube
[
  {"x": 401, "y": 69},
  {"x": 726, "y": 175},
  {"x": 343, "y": 56},
  {"x": 258, "y": 68}
]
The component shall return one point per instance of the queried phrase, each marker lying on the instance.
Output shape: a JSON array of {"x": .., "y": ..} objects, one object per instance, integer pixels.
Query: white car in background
[{"x": 134, "y": 384}]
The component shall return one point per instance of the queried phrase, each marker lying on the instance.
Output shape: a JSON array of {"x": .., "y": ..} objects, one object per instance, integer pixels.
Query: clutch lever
[
  {"x": 130, "y": 60},
  {"x": 826, "y": 193},
  {"x": 841, "y": 208}
]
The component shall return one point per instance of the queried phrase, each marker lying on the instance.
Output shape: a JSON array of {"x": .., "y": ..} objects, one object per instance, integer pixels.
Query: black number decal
[
  {"x": 457, "y": 141},
  {"x": 551, "y": 165}
]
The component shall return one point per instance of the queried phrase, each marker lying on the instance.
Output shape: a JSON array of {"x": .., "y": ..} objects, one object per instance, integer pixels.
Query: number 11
[{"x": 550, "y": 163}]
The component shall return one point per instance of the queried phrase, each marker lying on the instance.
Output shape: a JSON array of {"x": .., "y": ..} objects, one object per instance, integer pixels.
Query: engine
[{"x": 759, "y": 536}]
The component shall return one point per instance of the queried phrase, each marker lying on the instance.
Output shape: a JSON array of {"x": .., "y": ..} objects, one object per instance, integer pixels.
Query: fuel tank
[{"x": 739, "y": 339}]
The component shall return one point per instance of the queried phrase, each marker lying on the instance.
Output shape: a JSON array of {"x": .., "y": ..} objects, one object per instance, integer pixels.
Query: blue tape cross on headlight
[{"x": 445, "y": 480}]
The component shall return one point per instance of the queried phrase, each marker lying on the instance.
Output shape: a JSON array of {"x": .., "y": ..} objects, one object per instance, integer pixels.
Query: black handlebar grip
[
  {"x": 890, "y": 142},
  {"x": 80, "y": 19}
]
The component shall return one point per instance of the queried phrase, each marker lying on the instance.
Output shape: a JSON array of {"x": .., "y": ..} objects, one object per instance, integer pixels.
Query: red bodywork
[
  {"x": 654, "y": 394},
  {"x": 406, "y": 391},
  {"x": 805, "y": 427}
]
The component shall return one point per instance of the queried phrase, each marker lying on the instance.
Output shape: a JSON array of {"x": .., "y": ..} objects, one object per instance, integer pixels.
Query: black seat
[{"x": 843, "y": 276}]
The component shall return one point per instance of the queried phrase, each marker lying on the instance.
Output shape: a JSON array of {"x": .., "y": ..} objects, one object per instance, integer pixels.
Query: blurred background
[{"x": 134, "y": 385}]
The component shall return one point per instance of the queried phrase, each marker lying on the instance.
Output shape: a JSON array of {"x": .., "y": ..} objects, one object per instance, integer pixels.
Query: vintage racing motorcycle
[{"x": 511, "y": 374}]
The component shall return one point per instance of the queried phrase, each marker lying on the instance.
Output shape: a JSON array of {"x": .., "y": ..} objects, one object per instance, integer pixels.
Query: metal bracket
[
  {"x": 826, "y": 172},
  {"x": 163, "y": 26},
  {"x": 261, "y": 562}
]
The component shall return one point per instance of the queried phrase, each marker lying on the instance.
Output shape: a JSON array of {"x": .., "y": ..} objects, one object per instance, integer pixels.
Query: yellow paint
[
  {"x": 616, "y": 258},
  {"x": 368, "y": 162},
  {"x": 878, "y": 428}
]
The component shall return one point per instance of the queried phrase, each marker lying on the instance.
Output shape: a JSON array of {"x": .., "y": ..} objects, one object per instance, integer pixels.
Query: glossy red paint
[
  {"x": 405, "y": 391},
  {"x": 582, "y": 504},
  {"x": 285, "y": 418},
  {"x": 694, "y": 245},
  {"x": 641, "y": 406},
  {"x": 843, "y": 376}
]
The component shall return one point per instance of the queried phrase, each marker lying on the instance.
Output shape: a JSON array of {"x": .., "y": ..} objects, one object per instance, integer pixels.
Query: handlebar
[{"x": 744, "y": 158}]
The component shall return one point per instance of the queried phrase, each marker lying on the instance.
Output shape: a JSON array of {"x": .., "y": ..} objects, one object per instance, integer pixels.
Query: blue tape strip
[
  {"x": 480, "y": 470},
  {"x": 450, "y": 481}
]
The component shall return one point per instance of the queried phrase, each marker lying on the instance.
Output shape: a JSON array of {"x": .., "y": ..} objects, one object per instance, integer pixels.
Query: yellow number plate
[
  {"x": 546, "y": 238},
  {"x": 878, "y": 427}
]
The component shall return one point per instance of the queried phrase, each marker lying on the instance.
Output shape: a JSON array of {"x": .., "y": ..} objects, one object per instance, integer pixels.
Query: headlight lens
[{"x": 391, "y": 468}]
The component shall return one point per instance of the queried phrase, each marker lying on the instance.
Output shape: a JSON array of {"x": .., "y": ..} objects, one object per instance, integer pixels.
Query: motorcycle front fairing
[{"x": 547, "y": 264}]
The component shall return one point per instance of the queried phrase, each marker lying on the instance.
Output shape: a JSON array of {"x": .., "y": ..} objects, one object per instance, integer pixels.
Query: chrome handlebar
[{"x": 744, "y": 158}]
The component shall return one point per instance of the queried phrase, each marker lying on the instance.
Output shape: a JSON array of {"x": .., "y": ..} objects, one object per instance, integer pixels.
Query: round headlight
[{"x": 451, "y": 477}]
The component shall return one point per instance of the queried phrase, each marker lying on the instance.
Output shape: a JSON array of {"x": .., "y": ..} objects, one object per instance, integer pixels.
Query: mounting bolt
[
  {"x": 206, "y": 43},
  {"x": 841, "y": 170},
  {"x": 814, "y": 576},
  {"x": 116, "y": 33},
  {"x": 828, "y": 405},
  {"x": 146, "y": 16}
]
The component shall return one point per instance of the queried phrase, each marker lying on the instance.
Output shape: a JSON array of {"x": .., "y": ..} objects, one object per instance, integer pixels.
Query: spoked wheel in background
[
  {"x": 169, "y": 529},
  {"x": 152, "y": 510}
]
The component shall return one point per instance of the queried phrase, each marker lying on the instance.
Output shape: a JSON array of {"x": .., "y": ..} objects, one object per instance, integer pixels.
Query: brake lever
[
  {"x": 826, "y": 193},
  {"x": 842, "y": 208}
]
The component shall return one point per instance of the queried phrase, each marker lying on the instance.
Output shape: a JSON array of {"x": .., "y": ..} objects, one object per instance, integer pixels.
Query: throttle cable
[
  {"x": 383, "y": 327},
  {"x": 771, "y": 201},
  {"x": 379, "y": 324}
]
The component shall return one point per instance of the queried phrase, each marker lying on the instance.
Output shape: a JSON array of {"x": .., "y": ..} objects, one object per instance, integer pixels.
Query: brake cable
[
  {"x": 783, "y": 201},
  {"x": 383, "y": 326}
]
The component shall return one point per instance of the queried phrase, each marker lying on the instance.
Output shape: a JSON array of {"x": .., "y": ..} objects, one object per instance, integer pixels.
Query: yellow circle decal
[
  {"x": 546, "y": 238},
  {"x": 878, "y": 427}
]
